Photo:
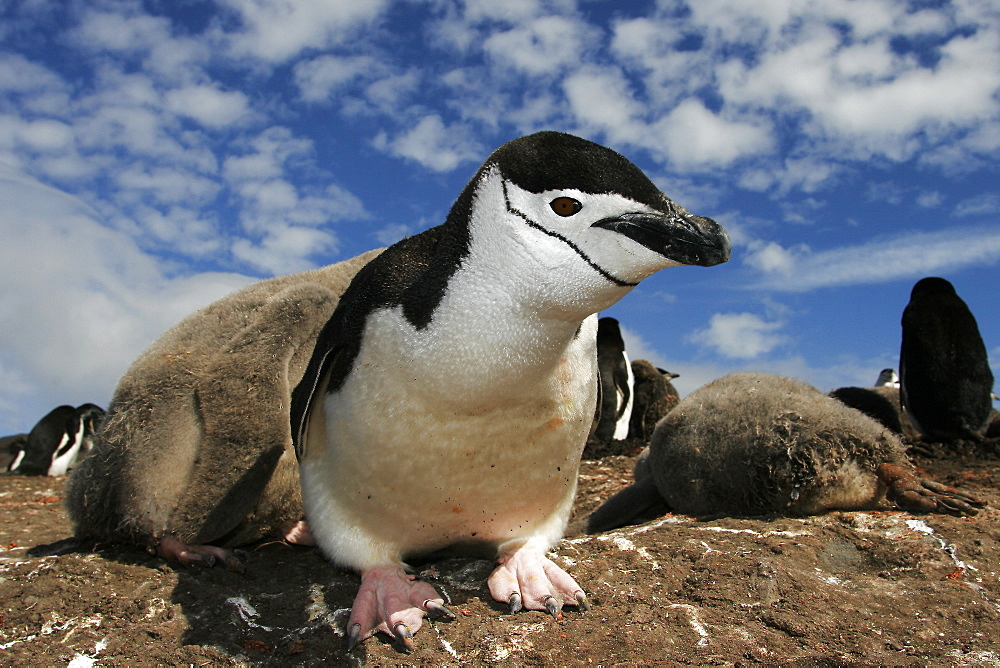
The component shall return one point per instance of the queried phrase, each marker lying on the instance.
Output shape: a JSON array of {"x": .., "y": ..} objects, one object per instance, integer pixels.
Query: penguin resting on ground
[
  {"x": 59, "y": 441},
  {"x": 655, "y": 396},
  {"x": 452, "y": 391},
  {"x": 196, "y": 452},
  {"x": 756, "y": 444},
  {"x": 945, "y": 376}
]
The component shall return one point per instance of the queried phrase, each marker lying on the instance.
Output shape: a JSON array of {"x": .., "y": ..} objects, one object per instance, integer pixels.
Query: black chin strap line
[{"x": 579, "y": 251}]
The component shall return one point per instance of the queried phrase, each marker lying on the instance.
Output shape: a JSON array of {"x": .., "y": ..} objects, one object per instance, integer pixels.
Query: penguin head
[{"x": 574, "y": 204}]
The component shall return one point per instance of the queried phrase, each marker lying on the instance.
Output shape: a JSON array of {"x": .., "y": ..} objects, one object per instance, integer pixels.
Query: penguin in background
[
  {"x": 752, "y": 444},
  {"x": 616, "y": 382},
  {"x": 12, "y": 450},
  {"x": 945, "y": 375},
  {"x": 451, "y": 393},
  {"x": 195, "y": 455},
  {"x": 655, "y": 396},
  {"x": 58, "y": 442},
  {"x": 887, "y": 378}
]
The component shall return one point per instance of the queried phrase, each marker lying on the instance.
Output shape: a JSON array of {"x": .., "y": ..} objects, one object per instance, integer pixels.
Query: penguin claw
[
  {"x": 526, "y": 578},
  {"x": 437, "y": 609},
  {"x": 353, "y": 636},
  {"x": 553, "y": 607},
  {"x": 914, "y": 494},
  {"x": 393, "y": 603}
]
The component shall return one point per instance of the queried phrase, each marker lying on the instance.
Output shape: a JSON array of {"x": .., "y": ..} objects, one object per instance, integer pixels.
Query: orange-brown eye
[{"x": 565, "y": 206}]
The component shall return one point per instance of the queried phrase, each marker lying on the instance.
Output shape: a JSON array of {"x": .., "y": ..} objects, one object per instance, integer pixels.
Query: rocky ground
[{"x": 846, "y": 588}]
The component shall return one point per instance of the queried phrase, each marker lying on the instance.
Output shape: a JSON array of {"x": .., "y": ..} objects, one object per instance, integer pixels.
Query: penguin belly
[{"x": 423, "y": 453}]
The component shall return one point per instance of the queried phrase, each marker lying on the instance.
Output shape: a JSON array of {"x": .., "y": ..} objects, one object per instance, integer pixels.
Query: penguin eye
[{"x": 565, "y": 206}]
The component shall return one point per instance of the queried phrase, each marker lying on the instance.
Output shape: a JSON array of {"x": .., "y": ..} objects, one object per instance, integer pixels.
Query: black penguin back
[{"x": 945, "y": 374}]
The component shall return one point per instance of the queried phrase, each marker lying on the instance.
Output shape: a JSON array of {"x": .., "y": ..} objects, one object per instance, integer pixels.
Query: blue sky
[{"x": 155, "y": 156}]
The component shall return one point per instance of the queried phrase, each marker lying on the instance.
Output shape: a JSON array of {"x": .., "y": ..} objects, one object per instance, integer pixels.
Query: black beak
[{"x": 682, "y": 238}]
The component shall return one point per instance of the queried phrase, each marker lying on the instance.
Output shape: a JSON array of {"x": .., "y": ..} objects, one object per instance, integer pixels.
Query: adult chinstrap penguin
[
  {"x": 453, "y": 389},
  {"x": 615, "y": 393},
  {"x": 756, "y": 444},
  {"x": 59, "y": 441},
  {"x": 945, "y": 375}
]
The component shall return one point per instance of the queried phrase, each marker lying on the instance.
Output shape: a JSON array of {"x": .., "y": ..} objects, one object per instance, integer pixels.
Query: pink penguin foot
[
  {"x": 392, "y": 602},
  {"x": 299, "y": 534},
  {"x": 173, "y": 549},
  {"x": 526, "y": 578}
]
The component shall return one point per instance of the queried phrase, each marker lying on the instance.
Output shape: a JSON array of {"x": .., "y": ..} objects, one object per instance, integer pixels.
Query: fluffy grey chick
[{"x": 756, "y": 444}]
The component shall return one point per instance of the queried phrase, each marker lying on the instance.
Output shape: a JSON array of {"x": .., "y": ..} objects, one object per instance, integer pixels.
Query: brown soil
[{"x": 855, "y": 588}]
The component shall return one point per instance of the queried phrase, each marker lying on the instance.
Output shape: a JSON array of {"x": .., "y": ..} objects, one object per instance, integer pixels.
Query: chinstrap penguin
[
  {"x": 195, "y": 455},
  {"x": 453, "y": 389},
  {"x": 615, "y": 372},
  {"x": 887, "y": 378},
  {"x": 59, "y": 441},
  {"x": 757, "y": 444},
  {"x": 945, "y": 375}
]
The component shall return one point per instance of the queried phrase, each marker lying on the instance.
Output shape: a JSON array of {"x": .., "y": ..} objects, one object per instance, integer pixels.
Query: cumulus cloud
[
  {"x": 276, "y": 30},
  {"x": 432, "y": 144},
  {"x": 740, "y": 335},
  {"x": 208, "y": 105},
  {"x": 696, "y": 138}
]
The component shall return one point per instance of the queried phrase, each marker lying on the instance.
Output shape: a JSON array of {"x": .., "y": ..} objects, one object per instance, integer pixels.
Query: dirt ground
[{"x": 846, "y": 588}]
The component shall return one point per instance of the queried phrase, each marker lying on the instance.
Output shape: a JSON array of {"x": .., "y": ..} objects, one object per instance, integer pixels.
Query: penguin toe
[
  {"x": 392, "y": 602},
  {"x": 173, "y": 549},
  {"x": 914, "y": 494},
  {"x": 526, "y": 578}
]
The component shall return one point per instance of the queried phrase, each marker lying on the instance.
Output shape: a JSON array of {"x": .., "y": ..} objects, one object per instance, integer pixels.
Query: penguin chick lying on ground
[
  {"x": 196, "y": 451},
  {"x": 453, "y": 389},
  {"x": 754, "y": 444}
]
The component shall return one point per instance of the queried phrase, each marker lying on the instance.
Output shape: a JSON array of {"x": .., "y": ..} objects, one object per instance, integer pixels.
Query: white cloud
[
  {"x": 987, "y": 204},
  {"x": 739, "y": 335},
  {"x": 208, "y": 105},
  {"x": 432, "y": 144},
  {"x": 696, "y": 138},
  {"x": 277, "y": 30},
  {"x": 321, "y": 77},
  {"x": 544, "y": 46},
  {"x": 76, "y": 322},
  {"x": 602, "y": 101},
  {"x": 904, "y": 256}
]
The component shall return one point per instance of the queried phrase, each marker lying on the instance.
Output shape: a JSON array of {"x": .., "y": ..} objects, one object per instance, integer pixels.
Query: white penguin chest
[{"x": 426, "y": 449}]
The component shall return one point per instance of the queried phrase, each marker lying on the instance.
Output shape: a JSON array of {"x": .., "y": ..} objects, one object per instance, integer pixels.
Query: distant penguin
[
  {"x": 12, "y": 451},
  {"x": 945, "y": 374},
  {"x": 887, "y": 378},
  {"x": 453, "y": 389},
  {"x": 615, "y": 373},
  {"x": 79, "y": 439},
  {"x": 655, "y": 396},
  {"x": 873, "y": 402},
  {"x": 755, "y": 444},
  {"x": 58, "y": 441},
  {"x": 196, "y": 451}
]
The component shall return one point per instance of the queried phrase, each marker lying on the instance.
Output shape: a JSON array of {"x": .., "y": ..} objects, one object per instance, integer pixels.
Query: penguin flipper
[
  {"x": 637, "y": 503},
  {"x": 909, "y": 492}
]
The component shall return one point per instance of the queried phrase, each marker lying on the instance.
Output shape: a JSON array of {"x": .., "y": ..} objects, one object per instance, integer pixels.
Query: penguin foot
[
  {"x": 392, "y": 602},
  {"x": 526, "y": 578},
  {"x": 173, "y": 549},
  {"x": 299, "y": 534},
  {"x": 915, "y": 494}
]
